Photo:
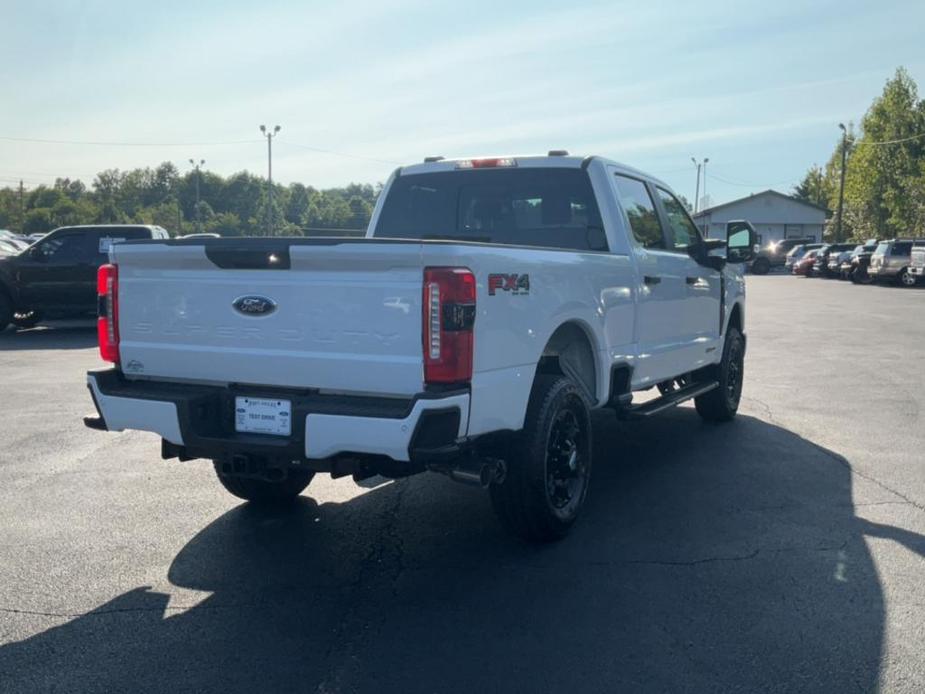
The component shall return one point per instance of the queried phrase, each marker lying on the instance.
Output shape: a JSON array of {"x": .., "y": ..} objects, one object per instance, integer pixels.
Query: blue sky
[{"x": 758, "y": 87}]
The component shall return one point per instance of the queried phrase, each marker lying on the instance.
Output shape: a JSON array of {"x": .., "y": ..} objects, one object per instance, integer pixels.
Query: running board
[{"x": 647, "y": 409}]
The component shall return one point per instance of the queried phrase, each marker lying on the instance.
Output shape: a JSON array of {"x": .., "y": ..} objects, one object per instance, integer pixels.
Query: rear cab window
[{"x": 544, "y": 207}]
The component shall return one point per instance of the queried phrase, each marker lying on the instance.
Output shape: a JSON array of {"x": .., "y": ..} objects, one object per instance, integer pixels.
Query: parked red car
[{"x": 804, "y": 266}]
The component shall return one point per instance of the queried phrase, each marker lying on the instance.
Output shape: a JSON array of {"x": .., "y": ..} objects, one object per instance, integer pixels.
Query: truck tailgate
[{"x": 345, "y": 316}]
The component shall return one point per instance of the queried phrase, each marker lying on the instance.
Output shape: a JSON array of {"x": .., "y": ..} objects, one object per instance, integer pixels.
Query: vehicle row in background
[
  {"x": 56, "y": 275},
  {"x": 11, "y": 244},
  {"x": 775, "y": 255},
  {"x": 895, "y": 260}
]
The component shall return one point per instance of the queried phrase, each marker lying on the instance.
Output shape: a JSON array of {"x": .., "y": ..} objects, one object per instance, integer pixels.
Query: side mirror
[
  {"x": 741, "y": 240},
  {"x": 701, "y": 252}
]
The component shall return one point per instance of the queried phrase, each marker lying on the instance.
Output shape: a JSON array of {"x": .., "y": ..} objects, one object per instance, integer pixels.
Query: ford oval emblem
[{"x": 253, "y": 305}]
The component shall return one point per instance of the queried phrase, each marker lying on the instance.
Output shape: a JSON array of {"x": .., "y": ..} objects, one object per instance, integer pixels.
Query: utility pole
[
  {"x": 697, "y": 191},
  {"x": 705, "y": 162},
  {"x": 198, "y": 177},
  {"x": 22, "y": 209},
  {"x": 269, "y": 135},
  {"x": 697, "y": 188},
  {"x": 841, "y": 187}
]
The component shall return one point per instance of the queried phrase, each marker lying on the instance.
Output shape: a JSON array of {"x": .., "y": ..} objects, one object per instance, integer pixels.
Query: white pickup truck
[{"x": 493, "y": 303}]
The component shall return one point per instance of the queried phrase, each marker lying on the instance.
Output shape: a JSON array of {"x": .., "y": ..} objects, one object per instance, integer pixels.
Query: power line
[
  {"x": 99, "y": 143},
  {"x": 34, "y": 140},
  {"x": 340, "y": 154},
  {"x": 747, "y": 185},
  {"x": 891, "y": 142}
]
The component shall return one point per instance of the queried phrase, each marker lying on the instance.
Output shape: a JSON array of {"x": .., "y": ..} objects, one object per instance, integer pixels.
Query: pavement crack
[
  {"x": 767, "y": 408},
  {"x": 870, "y": 478},
  {"x": 900, "y": 502},
  {"x": 746, "y": 556},
  {"x": 692, "y": 562}
]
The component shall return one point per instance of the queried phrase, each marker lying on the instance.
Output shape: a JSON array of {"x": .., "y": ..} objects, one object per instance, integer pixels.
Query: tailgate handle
[{"x": 259, "y": 254}]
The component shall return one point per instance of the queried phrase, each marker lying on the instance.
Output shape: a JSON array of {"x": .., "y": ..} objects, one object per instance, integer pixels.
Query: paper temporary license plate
[{"x": 263, "y": 416}]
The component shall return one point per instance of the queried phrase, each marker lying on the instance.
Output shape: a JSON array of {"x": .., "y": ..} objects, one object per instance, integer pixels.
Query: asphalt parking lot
[{"x": 782, "y": 552}]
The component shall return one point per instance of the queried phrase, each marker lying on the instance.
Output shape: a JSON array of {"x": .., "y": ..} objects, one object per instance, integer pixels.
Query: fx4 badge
[{"x": 515, "y": 284}]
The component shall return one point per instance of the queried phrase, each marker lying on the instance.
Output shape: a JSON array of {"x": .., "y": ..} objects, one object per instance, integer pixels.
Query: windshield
[{"x": 545, "y": 207}]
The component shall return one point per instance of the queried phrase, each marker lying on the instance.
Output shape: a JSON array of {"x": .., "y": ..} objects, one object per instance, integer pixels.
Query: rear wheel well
[{"x": 569, "y": 353}]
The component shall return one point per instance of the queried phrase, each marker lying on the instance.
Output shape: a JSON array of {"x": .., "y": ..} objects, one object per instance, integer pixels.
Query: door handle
[{"x": 651, "y": 279}]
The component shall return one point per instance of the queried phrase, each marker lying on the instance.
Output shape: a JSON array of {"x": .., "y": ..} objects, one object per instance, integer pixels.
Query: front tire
[
  {"x": 266, "y": 492},
  {"x": 549, "y": 469},
  {"x": 722, "y": 403},
  {"x": 761, "y": 266}
]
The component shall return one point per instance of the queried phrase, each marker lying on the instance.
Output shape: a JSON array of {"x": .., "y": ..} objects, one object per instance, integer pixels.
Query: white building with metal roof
[{"x": 774, "y": 215}]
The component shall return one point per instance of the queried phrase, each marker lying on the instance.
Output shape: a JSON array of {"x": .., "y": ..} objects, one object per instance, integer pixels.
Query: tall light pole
[
  {"x": 269, "y": 135},
  {"x": 198, "y": 176},
  {"x": 841, "y": 187},
  {"x": 697, "y": 191}
]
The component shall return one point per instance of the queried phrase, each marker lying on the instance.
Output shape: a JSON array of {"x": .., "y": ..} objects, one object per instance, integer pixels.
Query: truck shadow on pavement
[{"x": 709, "y": 558}]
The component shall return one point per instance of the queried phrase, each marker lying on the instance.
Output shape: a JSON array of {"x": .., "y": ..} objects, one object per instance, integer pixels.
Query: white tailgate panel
[{"x": 348, "y": 318}]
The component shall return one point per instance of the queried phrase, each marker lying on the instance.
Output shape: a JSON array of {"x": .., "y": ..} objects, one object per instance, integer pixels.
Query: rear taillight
[
  {"x": 448, "y": 318},
  {"x": 107, "y": 322}
]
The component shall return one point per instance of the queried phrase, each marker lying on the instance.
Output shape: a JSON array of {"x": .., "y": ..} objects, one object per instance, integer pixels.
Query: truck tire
[
  {"x": 761, "y": 266},
  {"x": 6, "y": 311},
  {"x": 266, "y": 492},
  {"x": 550, "y": 467},
  {"x": 722, "y": 403}
]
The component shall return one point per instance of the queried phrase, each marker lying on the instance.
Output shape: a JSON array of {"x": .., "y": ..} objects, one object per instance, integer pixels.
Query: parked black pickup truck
[{"x": 56, "y": 276}]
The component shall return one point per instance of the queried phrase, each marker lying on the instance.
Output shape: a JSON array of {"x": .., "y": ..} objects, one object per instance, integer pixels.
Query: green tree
[
  {"x": 38, "y": 221},
  {"x": 884, "y": 174},
  {"x": 236, "y": 205},
  {"x": 816, "y": 187},
  {"x": 225, "y": 224},
  {"x": 299, "y": 203}
]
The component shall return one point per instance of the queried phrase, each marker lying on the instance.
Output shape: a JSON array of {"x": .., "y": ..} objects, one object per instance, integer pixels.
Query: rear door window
[{"x": 640, "y": 212}]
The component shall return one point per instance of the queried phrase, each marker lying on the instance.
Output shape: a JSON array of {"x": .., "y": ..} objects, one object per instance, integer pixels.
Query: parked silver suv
[
  {"x": 917, "y": 262},
  {"x": 892, "y": 261}
]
